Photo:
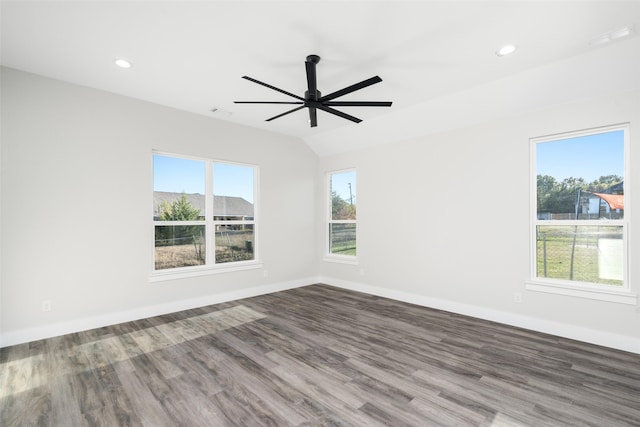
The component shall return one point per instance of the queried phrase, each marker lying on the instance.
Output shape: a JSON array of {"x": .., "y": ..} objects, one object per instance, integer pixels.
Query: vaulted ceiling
[{"x": 437, "y": 59}]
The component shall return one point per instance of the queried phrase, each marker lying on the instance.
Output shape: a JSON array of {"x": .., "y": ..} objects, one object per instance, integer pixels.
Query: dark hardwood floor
[{"x": 316, "y": 356}]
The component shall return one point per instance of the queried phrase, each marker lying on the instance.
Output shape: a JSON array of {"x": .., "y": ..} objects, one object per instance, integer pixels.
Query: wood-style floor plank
[{"x": 316, "y": 356}]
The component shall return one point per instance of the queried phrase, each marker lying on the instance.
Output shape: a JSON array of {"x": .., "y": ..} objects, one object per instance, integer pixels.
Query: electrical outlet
[
  {"x": 265, "y": 273},
  {"x": 517, "y": 297},
  {"x": 362, "y": 271},
  {"x": 46, "y": 305}
]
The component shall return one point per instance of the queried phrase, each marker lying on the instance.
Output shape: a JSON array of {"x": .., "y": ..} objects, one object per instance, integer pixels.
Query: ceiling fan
[{"x": 314, "y": 101}]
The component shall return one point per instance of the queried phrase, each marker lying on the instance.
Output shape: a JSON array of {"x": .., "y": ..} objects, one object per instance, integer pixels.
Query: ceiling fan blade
[
  {"x": 358, "y": 103},
  {"x": 352, "y": 88},
  {"x": 313, "y": 117},
  {"x": 268, "y": 102},
  {"x": 272, "y": 87},
  {"x": 339, "y": 113},
  {"x": 285, "y": 113}
]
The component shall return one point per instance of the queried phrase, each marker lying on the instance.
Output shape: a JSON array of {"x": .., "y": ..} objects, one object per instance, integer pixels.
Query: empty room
[{"x": 318, "y": 213}]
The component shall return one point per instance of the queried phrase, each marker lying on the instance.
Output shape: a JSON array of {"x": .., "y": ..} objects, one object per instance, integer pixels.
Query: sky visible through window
[
  {"x": 340, "y": 184},
  {"x": 178, "y": 175},
  {"x": 588, "y": 157}
]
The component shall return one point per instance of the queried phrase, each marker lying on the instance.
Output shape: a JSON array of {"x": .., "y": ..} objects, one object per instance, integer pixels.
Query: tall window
[
  {"x": 579, "y": 230},
  {"x": 342, "y": 214},
  {"x": 203, "y": 212}
]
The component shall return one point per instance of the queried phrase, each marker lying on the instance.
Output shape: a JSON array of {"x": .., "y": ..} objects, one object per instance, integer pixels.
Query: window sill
[
  {"x": 620, "y": 297},
  {"x": 341, "y": 259},
  {"x": 185, "y": 272}
]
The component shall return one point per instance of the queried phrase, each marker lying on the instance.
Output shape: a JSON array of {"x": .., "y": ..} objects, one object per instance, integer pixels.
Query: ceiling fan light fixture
[
  {"x": 506, "y": 50},
  {"x": 122, "y": 63}
]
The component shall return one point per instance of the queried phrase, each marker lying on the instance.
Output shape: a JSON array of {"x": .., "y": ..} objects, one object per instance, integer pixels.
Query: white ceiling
[{"x": 431, "y": 55}]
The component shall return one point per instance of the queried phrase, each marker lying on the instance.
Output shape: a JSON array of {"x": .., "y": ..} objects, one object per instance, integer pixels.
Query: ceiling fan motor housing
[
  {"x": 308, "y": 97},
  {"x": 313, "y": 58}
]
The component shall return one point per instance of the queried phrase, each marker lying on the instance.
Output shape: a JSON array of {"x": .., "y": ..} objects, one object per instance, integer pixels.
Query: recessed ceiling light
[
  {"x": 622, "y": 32},
  {"x": 122, "y": 63},
  {"x": 611, "y": 36},
  {"x": 506, "y": 50}
]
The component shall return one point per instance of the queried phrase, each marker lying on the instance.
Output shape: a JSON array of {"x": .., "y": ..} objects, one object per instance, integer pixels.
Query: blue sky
[
  {"x": 588, "y": 157},
  {"x": 340, "y": 184},
  {"x": 186, "y": 175},
  {"x": 178, "y": 175}
]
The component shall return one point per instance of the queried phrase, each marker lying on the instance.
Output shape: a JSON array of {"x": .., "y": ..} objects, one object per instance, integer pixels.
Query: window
[
  {"x": 579, "y": 231},
  {"x": 203, "y": 213},
  {"x": 341, "y": 241}
]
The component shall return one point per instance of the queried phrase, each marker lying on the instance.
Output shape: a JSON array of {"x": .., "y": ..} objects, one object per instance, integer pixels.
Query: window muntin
[
  {"x": 342, "y": 213},
  {"x": 204, "y": 212},
  {"x": 579, "y": 230}
]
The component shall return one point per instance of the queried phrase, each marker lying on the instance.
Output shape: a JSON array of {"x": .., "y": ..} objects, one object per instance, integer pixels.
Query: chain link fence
[{"x": 591, "y": 254}]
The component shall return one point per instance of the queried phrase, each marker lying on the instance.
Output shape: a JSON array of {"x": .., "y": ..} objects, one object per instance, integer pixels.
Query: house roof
[
  {"x": 616, "y": 188},
  {"x": 615, "y": 201},
  {"x": 222, "y": 205}
]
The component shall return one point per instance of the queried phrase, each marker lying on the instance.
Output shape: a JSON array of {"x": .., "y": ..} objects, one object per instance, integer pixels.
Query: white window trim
[
  {"x": 622, "y": 295},
  {"x": 210, "y": 267},
  {"x": 202, "y": 270},
  {"x": 328, "y": 256},
  {"x": 588, "y": 291}
]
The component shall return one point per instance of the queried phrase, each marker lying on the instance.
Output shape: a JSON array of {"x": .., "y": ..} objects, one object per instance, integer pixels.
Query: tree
[
  {"x": 340, "y": 208},
  {"x": 567, "y": 195},
  {"x": 561, "y": 197},
  {"x": 603, "y": 183},
  {"x": 180, "y": 210},
  {"x": 546, "y": 187}
]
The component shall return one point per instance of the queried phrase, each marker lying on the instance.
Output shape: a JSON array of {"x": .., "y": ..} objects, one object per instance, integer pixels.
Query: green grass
[
  {"x": 559, "y": 245},
  {"x": 344, "y": 248},
  {"x": 343, "y": 239}
]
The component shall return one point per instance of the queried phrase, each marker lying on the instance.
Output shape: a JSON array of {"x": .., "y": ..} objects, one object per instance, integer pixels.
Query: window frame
[
  {"x": 210, "y": 266},
  {"x": 328, "y": 256},
  {"x": 619, "y": 294}
]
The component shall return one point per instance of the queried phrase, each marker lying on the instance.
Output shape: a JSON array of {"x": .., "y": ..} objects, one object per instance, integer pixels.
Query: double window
[
  {"x": 204, "y": 213},
  {"x": 579, "y": 232},
  {"x": 341, "y": 213}
]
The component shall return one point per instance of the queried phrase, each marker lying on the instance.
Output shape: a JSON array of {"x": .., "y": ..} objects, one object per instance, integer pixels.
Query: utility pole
[
  {"x": 575, "y": 235},
  {"x": 350, "y": 195}
]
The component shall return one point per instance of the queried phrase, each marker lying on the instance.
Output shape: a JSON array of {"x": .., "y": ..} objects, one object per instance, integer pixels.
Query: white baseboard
[
  {"x": 78, "y": 325},
  {"x": 606, "y": 339},
  {"x": 620, "y": 342}
]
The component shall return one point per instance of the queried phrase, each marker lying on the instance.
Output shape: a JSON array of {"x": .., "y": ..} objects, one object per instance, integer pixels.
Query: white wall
[
  {"x": 444, "y": 221},
  {"x": 77, "y": 204}
]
